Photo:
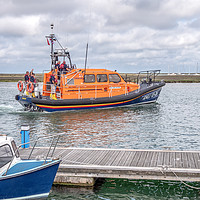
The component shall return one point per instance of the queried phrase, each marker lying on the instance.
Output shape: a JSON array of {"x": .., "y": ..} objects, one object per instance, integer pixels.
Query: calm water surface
[{"x": 173, "y": 121}]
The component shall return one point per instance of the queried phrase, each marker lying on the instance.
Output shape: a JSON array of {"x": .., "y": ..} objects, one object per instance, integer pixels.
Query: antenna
[{"x": 86, "y": 56}]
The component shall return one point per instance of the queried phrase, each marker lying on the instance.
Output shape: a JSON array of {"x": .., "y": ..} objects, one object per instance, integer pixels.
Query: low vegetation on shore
[{"x": 168, "y": 78}]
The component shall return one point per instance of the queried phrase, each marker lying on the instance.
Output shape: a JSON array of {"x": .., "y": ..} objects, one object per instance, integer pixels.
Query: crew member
[
  {"x": 33, "y": 81},
  {"x": 32, "y": 78},
  {"x": 26, "y": 77},
  {"x": 53, "y": 82},
  {"x": 67, "y": 68},
  {"x": 64, "y": 67},
  {"x": 57, "y": 66}
]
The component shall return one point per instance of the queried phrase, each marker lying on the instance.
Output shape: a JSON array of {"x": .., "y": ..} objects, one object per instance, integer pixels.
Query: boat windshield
[
  {"x": 5, "y": 154},
  {"x": 16, "y": 152},
  {"x": 114, "y": 78}
]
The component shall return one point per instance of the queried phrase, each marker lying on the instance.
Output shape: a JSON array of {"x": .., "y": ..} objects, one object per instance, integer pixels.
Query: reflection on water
[
  {"x": 116, "y": 128},
  {"x": 114, "y": 189},
  {"x": 173, "y": 121}
]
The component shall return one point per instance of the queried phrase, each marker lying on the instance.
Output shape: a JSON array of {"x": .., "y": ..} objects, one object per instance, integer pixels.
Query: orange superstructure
[{"x": 90, "y": 83}]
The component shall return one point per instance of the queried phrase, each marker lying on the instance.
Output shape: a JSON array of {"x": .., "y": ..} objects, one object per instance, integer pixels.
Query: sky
[{"x": 123, "y": 35}]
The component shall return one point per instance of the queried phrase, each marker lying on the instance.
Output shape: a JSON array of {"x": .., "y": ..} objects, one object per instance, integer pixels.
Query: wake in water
[{"x": 7, "y": 108}]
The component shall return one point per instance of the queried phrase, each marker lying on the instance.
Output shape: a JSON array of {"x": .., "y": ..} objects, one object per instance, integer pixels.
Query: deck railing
[{"x": 81, "y": 90}]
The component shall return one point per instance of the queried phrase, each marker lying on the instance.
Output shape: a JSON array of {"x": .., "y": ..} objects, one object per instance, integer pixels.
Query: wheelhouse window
[
  {"x": 5, "y": 154},
  {"x": 89, "y": 78},
  {"x": 114, "y": 78},
  {"x": 102, "y": 78}
]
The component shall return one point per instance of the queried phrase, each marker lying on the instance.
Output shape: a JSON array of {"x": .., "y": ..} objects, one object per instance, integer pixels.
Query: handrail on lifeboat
[
  {"x": 96, "y": 88},
  {"x": 150, "y": 75}
]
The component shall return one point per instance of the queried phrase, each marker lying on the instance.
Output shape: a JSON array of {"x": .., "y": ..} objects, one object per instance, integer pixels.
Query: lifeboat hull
[{"x": 147, "y": 94}]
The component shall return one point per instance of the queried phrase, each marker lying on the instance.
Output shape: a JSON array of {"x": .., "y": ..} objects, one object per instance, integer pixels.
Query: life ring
[
  {"x": 30, "y": 87},
  {"x": 20, "y": 85}
]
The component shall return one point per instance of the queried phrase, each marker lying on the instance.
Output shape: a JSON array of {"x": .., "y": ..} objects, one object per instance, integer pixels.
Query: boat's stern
[{"x": 26, "y": 102}]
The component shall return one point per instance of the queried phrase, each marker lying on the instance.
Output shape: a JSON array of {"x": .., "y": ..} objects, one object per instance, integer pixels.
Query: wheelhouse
[{"x": 90, "y": 83}]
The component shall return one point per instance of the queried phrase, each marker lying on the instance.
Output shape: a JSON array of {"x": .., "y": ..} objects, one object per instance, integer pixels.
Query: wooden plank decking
[{"x": 128, "y": 163}]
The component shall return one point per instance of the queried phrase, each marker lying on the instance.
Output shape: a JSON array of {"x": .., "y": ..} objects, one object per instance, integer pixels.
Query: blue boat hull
[{"x": 32, "y": 183}]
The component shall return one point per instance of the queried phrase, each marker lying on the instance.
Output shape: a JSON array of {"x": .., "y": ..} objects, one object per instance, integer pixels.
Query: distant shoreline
[{"x": 168, "y": 78}]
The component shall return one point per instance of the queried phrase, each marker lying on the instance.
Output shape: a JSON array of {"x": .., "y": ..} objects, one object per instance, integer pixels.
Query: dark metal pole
[
  {"x": 86, "y": 57},
  {"x": 52, "y": 36}
]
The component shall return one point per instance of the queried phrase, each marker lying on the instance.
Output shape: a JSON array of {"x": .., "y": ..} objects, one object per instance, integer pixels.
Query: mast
[
  {"x": 52, "y": 38},
  {"x": 59, "y": 52},
  {"x": 86, "y": 57}
]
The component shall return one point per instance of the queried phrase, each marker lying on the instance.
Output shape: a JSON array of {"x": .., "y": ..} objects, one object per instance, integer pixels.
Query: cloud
[
  {"x": 128, "y": 35},
  {"x": 19, "y": 26}
]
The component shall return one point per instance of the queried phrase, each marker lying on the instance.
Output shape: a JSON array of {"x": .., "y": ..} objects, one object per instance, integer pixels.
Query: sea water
[{"x": 173, "y": 121}]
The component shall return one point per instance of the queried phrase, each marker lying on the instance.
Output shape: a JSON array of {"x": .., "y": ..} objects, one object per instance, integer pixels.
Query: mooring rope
[{"x": 165, "y": 167}]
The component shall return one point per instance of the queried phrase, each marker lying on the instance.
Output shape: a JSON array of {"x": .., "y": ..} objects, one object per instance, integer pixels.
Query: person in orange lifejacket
[{"x": 53, "y": 82}]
